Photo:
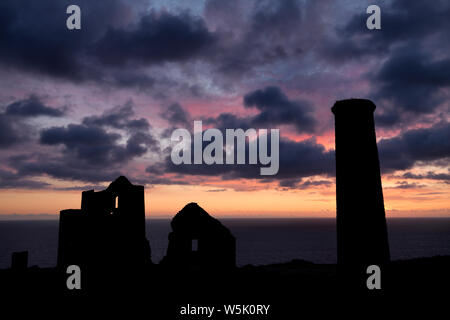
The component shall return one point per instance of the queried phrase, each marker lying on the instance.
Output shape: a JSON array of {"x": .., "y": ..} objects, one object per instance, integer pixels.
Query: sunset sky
[{"x": 78, "y": 108}]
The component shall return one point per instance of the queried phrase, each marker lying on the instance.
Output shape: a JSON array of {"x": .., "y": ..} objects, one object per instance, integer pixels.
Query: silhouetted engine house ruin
[
  {"x": 199, "y": 241},
  {"x": 108, "y": 231}
]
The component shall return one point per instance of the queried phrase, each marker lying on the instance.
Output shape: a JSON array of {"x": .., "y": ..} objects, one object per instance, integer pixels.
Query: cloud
[
  {"x": 14, "y": 128},
  {"x": 411, "y": 81},
  {"x": 275, "y": 20},
  {"x": 64, "y": 167},
  {"x": 119, "y": 117},
  {"x": 428, "y": 176},
  {"x": 131, "y": 79},
  {"x": 96, "y": 150},
  {"x": 233, "y": 49},
  {"x": 297, "y": 160},
  {"x": 176, "y": 115},
  {"x": 216, "y": 190},
  {"x": 12, "y": 180},
  {"x": 276, "y": 109},
  {"x": 387, "y": 117},
  {"x": 228, "y": 120},
  {"x": 406, "y": 62},
  {"x": 402, "y": 21},
  {"x": 31, "y": 107},
  {"x": 406, "y": 185},
  {"x": 314, "y": 183},
  {"x": 140, "y": 142},
  {"x": 122, "y": 37},
  {"x": 11, "y": 132},
  {"x": 90, "y": 144},
  {"x": 34, "y": 38},
  {"x": 300, "y": 184},
  {"x": 413, "y": 146},
  {"x": 307, "y": 158},
  {"x": 156, "y": 38},
  {"x": 254, "y": 34}
]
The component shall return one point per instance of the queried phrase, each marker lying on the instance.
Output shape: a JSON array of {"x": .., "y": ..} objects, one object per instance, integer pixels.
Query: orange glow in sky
[{"x": 165, "y": 201}]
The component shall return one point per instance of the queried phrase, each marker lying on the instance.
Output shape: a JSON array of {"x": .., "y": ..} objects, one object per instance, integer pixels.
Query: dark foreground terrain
[{"x": 292, "y": 290}]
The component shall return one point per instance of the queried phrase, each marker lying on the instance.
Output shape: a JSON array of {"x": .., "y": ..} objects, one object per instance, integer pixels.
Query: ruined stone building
[
  {"x": 108, "y": 232},
  {"x": 199, "y": 241}
]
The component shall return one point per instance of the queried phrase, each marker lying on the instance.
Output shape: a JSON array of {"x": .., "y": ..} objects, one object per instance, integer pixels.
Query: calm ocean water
[{"x": 259, "y": 241}]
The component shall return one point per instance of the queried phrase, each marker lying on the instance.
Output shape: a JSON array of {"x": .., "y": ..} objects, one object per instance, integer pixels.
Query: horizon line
[{"x": 55, "y": 217}]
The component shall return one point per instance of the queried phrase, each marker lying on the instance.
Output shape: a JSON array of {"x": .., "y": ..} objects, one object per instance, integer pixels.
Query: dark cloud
[
  {"x": 314, "y": 183},
  {"x": 429, "y": 176},
  {"x": 411, "y": 69},
  {"x": 117, "y": 48},
  {"x": 31, "y": 107},
  {"x": 27, "y": 41},
  {"x": 11, "y": 132},
  {"x": 265, "y": 42},
  {"x": 82, "y": 188},
  {"x": 157, "y": 38},
  {"x": 68, "y": 168},
  {"x": 307, "y": 158},
  {"x": 276, "y": 19},
  {"x": 34, "y": 38},
  {"x": 300, "y": 184},
  {"x": 407, "y": 185},
  {"x": 64, "y": 167},
  {"x": 289, "y": 183},
  {"x": 411, "y": 81},
  {"x": 401, "y": 21},
  {"x": 413, "y": 146},
  {"x": 119, "y": 117},
  {"x": 388, "y": 117},
  {"x": 404, "y": 19},
  {"x": 91, "y": 142},
  {"x": 140, "y": 142},
  {"x": 12, "y": 180},
  {"x": 14, "y": 128},
  {"x": 88, "y": 151},
  {"x": 176, "y": 115},
  {"x": 122, "y": 117},
  {"x": 229, "y": 120},
  {"x": 155, "y": 180},
  {"x": 276, "y": 109},
  {"x": 263, "y": 35},
  {"x": 297, "y": 160},
  {"x": 304, "y": 159},
  {"x": 131, "y": 79}
]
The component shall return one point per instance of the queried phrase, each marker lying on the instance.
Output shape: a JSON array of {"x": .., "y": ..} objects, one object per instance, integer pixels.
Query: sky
[{"x": 78, "y": 108}]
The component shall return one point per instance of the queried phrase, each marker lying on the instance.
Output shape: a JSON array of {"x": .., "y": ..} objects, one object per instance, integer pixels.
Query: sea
[{"x": 258, "y": 241}]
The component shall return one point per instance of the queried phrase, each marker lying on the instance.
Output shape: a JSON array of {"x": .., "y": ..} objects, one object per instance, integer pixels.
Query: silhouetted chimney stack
[{"x": 362, "y": 238}]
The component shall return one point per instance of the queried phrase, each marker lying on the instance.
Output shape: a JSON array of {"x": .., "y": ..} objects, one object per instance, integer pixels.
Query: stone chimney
[{"x": 362, "y": 238}]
